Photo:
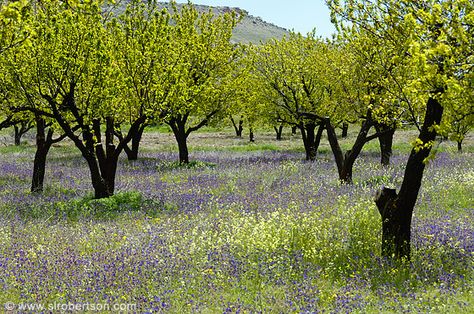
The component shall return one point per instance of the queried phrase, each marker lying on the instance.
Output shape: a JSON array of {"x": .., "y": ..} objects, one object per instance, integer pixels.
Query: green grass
[{"x": 14, "y": 149}]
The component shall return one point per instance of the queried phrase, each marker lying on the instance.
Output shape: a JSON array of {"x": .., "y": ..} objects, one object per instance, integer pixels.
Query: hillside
[{"x": 250, "y": 29}]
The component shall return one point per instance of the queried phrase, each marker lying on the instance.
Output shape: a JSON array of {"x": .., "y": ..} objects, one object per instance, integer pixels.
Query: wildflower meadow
[{"x": 243, "y": 228}]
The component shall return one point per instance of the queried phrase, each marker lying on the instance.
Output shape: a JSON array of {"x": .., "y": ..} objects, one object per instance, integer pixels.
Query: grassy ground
[{"x": 247, "y": 227}]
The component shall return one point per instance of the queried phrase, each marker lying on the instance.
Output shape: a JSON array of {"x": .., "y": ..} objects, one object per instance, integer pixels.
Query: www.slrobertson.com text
[{"x": 73, "y": 307}]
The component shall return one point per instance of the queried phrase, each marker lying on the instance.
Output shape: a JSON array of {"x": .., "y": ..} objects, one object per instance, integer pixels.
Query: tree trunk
[
  {"x": 109, "y": 167},
  {"x": 345, "y": 162},
  {"x": 132, "y": 153},
  {"x": 397, "y": 210},
  {"x": 352, "y": 154},
  {"x": 179, "y": 131},
  {"x": 238, "y": 128},
  {"x": 386, "y": 141},
  {"x": 319, "y": 134},
  {"x": 43, "y": 144},
  {"x": 102, "y": 162},
  {"x": 183, "y": 148},
  {"x": 100, "y": 187},
  {"x": 20, "y": 129},
  {"x": 293, "y": 129},
  {"x": 107, "y": 159},
  {"x": 178, "y": 125},
  {"x": 278, "y": 131},
  {"x": 251, "y": 135},
  {"x": 95, "y": 156},
  {"x": 345, "y": 129},
  {"x": 459, "y": 142},
  {"x": 241, "y": 126},
  {"x": 311, "y": 140},
  {"x": 335, "y": 147},
  {"x": 108, "y": 174},
  {"x": 17, "y": 135},
  {"x": 308, "y": 135}
]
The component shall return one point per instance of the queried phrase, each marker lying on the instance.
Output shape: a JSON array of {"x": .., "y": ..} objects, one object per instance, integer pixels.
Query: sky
[{"x": 298, "y": 15}]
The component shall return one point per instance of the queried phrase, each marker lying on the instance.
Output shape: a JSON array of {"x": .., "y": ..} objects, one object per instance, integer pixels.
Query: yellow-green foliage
[{"x": 419, "y": 50}]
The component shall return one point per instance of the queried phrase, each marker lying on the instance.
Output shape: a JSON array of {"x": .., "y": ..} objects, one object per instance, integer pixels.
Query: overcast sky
[{"x": 298, "y": 15}]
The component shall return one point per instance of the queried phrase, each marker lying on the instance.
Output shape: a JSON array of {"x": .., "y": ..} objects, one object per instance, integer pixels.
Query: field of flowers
[{"x": 245, "y": 228}]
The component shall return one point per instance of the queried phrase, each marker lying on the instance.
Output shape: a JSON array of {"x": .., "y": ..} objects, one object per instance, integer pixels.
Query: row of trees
[
  {"x": 82, "y": 68},
  {"x": 85, "y": 71}
]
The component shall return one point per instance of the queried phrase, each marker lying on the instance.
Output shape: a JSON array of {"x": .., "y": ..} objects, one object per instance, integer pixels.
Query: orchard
[{"x": 134, "y": 187}]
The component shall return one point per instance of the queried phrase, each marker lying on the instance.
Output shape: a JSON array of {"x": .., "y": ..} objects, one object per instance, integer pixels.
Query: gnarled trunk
[
  {"x": 103, "y": 162},
  {"x": 101, "y": 189},
  {"x": 397, "y": 210},
  {"x": 107, "y": 158}
]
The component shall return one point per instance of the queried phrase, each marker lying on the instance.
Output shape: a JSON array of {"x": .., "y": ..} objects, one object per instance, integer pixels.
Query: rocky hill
[{"x": 250, "y": 29}]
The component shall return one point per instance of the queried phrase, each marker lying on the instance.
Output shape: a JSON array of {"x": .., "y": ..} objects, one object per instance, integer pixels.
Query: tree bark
[
  {"x": 386, "y": 142},
  {"x": 351, "y": 155},
  {"x": 335, "y": 147},
  {"x": 459, "y": 142},
  {"x": 308, "y": 136},
  {"x": 397, "y": 210},
  {"x": 319, "y": 134},
  {"x": 103, "y": 162},
  {"x": 241, "y": 126}
]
